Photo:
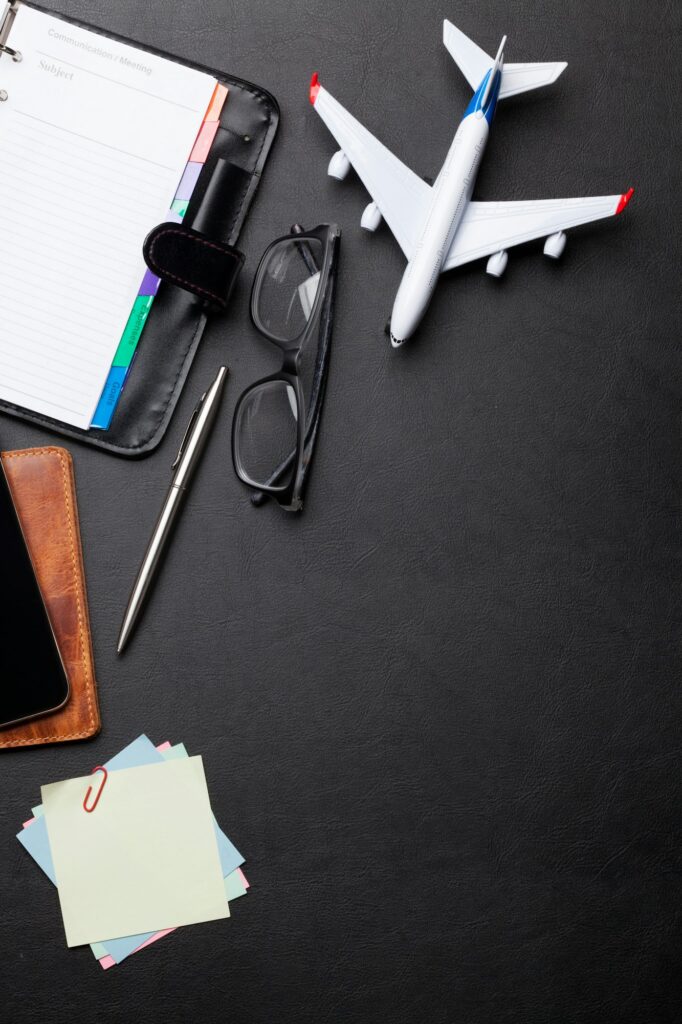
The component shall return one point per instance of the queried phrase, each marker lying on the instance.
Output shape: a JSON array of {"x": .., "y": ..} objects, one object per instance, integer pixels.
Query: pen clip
[{"x": 192, "y": 421}]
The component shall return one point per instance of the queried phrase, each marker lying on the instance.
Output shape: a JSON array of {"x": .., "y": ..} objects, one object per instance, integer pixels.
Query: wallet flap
[{"x": 42, "y": 484}]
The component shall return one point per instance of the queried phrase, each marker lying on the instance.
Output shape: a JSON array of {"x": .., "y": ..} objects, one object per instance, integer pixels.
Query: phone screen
[{"x": 32, "y": 676}]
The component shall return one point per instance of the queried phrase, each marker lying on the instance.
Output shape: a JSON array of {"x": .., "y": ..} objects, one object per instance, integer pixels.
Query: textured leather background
[{"x": 440, "y": 712}]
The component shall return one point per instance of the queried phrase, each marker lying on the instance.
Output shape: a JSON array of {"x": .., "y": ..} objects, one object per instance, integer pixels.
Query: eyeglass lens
[
  {"x": 288, "y": 287},
  {"x": 267, "y": 429}
]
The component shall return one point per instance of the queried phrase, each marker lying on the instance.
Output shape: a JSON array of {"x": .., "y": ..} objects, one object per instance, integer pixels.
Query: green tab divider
[
  {"x": 179, "y": 206},
  {"x": 133, "y": 330}
]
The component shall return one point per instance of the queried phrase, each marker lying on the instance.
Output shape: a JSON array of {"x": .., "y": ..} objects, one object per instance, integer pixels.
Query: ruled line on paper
[{"x": 79, "y": 135}]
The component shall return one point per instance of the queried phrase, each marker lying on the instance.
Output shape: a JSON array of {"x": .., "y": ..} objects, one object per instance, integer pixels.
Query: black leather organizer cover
[{"x": 217, "y": 210}]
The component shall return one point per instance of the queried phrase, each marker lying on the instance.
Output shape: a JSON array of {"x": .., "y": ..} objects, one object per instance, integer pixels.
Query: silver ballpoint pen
[{"x": 191, "y": 449}]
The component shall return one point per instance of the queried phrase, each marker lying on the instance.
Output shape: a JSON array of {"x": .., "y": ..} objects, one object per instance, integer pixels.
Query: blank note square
[{"x": 145, "y": 859}]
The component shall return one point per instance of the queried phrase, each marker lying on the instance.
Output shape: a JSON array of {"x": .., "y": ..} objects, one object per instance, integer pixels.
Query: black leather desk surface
[{"x": 440, "y": 712}]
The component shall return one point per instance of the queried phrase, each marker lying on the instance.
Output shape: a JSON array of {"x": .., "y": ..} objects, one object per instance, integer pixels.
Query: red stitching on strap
[{"x": 176, "y": 277}]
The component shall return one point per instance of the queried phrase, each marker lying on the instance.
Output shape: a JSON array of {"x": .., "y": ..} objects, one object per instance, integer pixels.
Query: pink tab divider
[{"x": 204, "y": 141}]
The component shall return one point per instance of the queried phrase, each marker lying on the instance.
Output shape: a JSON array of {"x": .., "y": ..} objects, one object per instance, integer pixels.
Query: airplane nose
[{"x": 397, "y": 342}]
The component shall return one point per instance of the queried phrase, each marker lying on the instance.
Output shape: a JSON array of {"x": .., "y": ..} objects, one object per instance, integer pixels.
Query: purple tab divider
[
  {"x": 189, "y": 180},
  {"x": 150, "y": 284}
]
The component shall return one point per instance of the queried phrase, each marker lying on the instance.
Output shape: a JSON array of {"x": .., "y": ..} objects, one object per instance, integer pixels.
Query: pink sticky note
[
  {"x": 244, "y": 878},
  {"x": 29, "y": 822},
  {"x": 205, "y": 138},
  {"x": 154, "y": 938},
  {"x": 106, "y": 962}
]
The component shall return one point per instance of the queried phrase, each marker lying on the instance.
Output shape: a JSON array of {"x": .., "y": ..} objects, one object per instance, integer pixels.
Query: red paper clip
[{"x": 99, "y": 768}]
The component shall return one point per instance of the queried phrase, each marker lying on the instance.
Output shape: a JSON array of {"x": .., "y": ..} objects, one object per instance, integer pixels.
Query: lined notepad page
[{"x": 94, "y": 138}]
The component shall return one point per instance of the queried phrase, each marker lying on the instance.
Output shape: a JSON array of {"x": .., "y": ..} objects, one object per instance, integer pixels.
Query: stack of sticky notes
[{"x": 134, "y": 851}]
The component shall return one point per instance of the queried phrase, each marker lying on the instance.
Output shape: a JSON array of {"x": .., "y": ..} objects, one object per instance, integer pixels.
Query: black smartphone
[{"x": 33, "y": 680}]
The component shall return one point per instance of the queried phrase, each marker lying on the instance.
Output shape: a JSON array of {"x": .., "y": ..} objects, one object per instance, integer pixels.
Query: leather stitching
[
  {"x": 158, "y": 269},
  {"x": 85, "y": 661}
]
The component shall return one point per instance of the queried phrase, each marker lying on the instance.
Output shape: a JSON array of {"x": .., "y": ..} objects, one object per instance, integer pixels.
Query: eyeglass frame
[{"x": 290, "y": 496}]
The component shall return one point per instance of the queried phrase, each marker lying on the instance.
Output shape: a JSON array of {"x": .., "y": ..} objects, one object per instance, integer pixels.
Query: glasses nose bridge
[{"x": 289, "y": 361}]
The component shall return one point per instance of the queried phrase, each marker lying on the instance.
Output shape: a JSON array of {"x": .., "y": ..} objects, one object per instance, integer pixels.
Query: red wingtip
[
  {"x": 314, "y": 87},
  {"x": 624, "y": 200}
]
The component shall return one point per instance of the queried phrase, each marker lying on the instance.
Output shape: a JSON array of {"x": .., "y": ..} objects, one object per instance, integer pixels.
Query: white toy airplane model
[{"x": 439, "y": 227}]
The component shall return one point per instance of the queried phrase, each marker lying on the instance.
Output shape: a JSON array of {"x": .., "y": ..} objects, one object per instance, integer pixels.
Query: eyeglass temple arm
[
  {"x": 305, "y": 250},
  {"x": 258, "y": 497}
]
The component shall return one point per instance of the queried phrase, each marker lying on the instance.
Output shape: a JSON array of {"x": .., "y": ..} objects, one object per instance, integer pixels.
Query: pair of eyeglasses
[{"x": 276, "y": 420}]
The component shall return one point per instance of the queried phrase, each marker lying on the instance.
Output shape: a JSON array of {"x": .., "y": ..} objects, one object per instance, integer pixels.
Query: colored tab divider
[
  {"x": 217, "y": 103},
  {"x": 204, "y": 141},
  {"x": 179, "y": 207},
  {"x": 125, "y": 353},
  {"x": 133, "y": 330}
]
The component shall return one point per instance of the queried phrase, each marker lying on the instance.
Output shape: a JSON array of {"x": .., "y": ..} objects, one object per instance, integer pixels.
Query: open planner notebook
[{"x": 99, "y": 142}]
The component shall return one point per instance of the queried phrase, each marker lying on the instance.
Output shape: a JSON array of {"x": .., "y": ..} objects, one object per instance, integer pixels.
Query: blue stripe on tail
[{"x": 475, "y": 102}]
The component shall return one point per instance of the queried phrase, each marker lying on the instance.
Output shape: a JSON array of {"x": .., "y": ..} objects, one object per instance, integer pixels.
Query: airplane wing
[
  {"x": 402, "y": 197},
  {"x": 487, "y": 228}
]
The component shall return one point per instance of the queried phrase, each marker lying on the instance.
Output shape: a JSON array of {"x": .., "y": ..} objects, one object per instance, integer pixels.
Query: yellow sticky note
[{"x": 145, "y": 859}]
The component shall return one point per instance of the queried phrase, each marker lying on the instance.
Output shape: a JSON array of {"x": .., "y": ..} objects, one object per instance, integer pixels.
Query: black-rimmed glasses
[{"x": 276, "y": 420}]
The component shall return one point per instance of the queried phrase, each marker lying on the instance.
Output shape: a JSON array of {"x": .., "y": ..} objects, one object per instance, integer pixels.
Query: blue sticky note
[{"x": 35, "y": 840}]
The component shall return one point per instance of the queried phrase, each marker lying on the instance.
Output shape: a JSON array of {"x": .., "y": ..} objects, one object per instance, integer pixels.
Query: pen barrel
[
  {"x": 161, "y": 535},
  {"x": 188, "y": 459},
  {"x": 200, "y": 431},
  {"x": 150, "y": 563}
]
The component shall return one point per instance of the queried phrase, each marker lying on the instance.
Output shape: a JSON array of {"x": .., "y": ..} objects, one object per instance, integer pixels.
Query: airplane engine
[
  {"x": 497, "y": 264},
  {"x": 339, "y": 166},
  {"x": 555, "y": 245},
  {"x": 371, "y": 217}
]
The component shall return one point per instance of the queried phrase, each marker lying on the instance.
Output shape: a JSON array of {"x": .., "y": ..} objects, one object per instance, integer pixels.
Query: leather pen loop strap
[
  {"x": 90, "y": 808},
  {"x": 194, "y": 262}
]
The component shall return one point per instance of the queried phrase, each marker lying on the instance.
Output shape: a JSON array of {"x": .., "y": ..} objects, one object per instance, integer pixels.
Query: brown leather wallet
[{"x": 44, "y": 492}]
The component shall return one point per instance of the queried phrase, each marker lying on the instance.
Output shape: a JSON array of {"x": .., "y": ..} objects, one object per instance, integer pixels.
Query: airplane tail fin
[{"x": 474, "y": 63}]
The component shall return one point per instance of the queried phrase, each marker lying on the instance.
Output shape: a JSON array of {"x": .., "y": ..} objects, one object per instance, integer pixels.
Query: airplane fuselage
[{"x": 450, "y": 196}]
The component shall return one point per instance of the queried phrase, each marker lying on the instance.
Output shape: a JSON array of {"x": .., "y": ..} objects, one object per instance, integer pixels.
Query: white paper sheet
[{"x": 94, "y": 138}]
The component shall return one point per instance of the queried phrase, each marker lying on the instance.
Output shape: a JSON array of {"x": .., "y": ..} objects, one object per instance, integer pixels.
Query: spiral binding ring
[{"x": 14, "y": 54}]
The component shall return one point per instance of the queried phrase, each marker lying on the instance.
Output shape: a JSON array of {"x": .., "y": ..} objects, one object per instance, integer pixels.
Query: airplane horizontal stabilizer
[
  {"x": 518, "y": 78},
  {"x": 474, "y": 63}
]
